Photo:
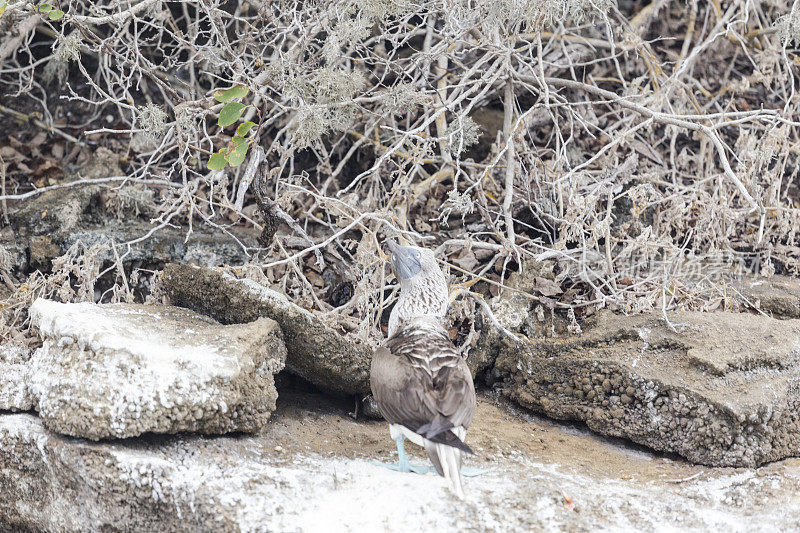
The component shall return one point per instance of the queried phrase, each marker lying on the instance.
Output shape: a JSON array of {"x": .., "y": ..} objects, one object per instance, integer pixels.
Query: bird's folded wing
[
  {"x": 397, "y": 390},
  {"x": 417, "y": 379},
  {"x": 455, "y": 394}
]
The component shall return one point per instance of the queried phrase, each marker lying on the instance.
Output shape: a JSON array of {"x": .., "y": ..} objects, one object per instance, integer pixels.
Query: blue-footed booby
[{"x": 420, "y": 382}]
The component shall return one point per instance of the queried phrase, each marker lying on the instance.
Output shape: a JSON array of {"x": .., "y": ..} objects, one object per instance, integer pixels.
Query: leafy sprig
[{"x": 235, "y": 153}]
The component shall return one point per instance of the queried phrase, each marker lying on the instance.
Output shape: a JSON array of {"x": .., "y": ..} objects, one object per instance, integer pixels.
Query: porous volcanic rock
[
  {"x": 311, "y": 470},
  {"x": 724, "y": 390},
  {"x": 190, "y": 483},
  {"x": 13, "y": 377},
  {"x": 520, "y": 309},
  {"x": 315, "y": 351},
  {"x": 121, "y": 370},
  {"x": 778, "y": 296},
  {"x": 46, "y": 225}
]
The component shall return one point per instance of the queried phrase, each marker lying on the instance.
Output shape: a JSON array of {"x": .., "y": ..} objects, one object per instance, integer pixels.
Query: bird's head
[
  {"x": 411, "y": 262},
  {"x": 424, "y": 288}
]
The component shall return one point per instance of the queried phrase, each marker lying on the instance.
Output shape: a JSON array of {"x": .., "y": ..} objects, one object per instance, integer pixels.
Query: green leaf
[
  {"x": 230, "y": 113},
  {"x": 3, "y": 8},
  {"x": 45, "y": 8},
  {"x": 244, "y": 127},
  {"x": 217, "y": 160},
  {"x": 56, "y": 14},
  {"x": 237, "y": 155},
  {"x": 229, "y": 94}
]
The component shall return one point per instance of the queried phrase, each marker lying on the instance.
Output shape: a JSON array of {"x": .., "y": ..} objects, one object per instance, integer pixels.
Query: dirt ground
[{"x": 311, "y": 423}]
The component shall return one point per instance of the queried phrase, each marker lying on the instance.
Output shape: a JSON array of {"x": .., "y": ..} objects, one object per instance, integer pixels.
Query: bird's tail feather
[
  {"x": 449, "y": 438},
  {"x": 442, "y": 431},
  {"x": 447, "y": 462}
]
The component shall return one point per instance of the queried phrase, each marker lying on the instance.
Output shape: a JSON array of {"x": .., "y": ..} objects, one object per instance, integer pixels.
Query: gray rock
[
  {"x": 778, "y": 296},
  {"x": 63, "y": 210},
  {"x": 725, "y": 391},
  {"x": 123, "y": 370},
  {"x": 311, "y": 470},
  {"x": 518, "y": 311},
  {"x": 13, "y": 377},
  {"x": 56, "y": 484},
  {"x": 203, "y": 247},
  {"x": 316, "y": 352},
  {"x": 13, "y": 253},
  {"x": 48, "y": 224}
]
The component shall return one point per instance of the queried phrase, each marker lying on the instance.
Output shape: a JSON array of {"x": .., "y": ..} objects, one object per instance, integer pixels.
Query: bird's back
[{"x": 419, "y": 375}]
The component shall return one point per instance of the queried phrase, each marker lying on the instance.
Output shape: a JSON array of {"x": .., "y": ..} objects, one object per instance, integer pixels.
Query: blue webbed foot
[
  {"x": 403, "y": 465},
  {"x": 469, "y": 471},
  {"x": 399, "y": 467}
]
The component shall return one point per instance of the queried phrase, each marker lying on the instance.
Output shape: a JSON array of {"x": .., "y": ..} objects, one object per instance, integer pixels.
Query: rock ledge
[
  {"x": 724, "y": 391},
  {"x": 112, "y": 371},
  {"x": 316, "y": 352}
]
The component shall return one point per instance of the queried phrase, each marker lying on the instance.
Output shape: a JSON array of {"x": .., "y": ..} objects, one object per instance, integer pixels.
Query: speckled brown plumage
[{"x": 419, "y": 376}]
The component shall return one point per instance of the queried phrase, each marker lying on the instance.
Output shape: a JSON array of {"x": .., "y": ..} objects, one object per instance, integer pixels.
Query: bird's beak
[{"x": 404, "y": 260}]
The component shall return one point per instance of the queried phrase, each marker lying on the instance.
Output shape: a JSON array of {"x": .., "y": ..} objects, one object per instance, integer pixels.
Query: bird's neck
[{"x": 426, "y": 298}]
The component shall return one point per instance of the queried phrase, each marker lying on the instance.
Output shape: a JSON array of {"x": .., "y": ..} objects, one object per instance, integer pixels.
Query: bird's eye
[{"x": 418, "y": 255}]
